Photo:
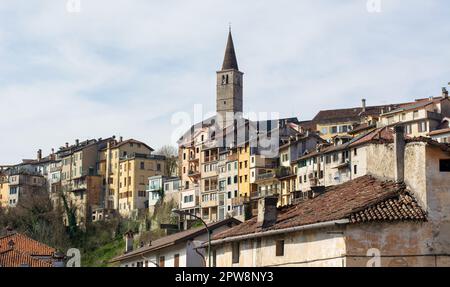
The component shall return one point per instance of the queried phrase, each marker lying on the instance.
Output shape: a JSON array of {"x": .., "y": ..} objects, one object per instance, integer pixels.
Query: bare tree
[
  {"x": 171, "y": 154},
  {"x": 35, "y": 216}
]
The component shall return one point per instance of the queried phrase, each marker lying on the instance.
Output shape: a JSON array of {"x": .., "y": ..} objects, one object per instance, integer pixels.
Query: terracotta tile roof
[
  {"x": 416, "y": 105},
  {"x": 403, "y": 207},
  {"x": 175, "y": 239},
  {"x": 382, "y": 200},
  {"x": 14, "y": 258},
  {"x": 350, "y": 114},
  {"x": 26, "y": 245},
  {"x": 384, "y": 135},
  {"x": 438, "y": 132}
]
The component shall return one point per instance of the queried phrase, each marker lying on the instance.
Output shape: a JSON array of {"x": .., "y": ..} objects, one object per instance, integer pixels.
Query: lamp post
[{"x": 181, "y": 212}]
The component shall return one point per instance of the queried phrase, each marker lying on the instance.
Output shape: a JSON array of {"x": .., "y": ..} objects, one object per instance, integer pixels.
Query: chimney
[
  {"x": 129, "y": 241},
  {"x": 444, "y": 93},
  {"x": 39, "y": 154},
  {"x": 267, "y": 211},
  {"x": 120, "y": 139},
  {"x": 9, "y": 230},
  {"x": 77, "y": 142},
  {"x": 67, "y": 145},
  {"x": 363, "y": 105},
  {"x": 399, "y": 153}
]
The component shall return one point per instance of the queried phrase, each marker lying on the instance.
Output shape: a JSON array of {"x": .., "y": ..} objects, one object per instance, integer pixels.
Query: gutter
[{"x": 281, "y": 231}]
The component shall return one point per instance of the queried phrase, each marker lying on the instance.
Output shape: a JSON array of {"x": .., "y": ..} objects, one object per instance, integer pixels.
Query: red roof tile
[
  {"x": 14, "y": 258},
  {"x": 26, "y": 245},
  {"x": 359, "y": 200}
]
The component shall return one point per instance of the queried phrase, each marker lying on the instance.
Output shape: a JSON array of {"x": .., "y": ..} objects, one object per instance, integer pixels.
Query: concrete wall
[
  {"x": 400, "y": 244},
  {"x": 312, "y": 248}
]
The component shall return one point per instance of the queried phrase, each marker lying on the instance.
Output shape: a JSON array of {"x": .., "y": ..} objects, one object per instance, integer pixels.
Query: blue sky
[{"x": 125, "y": 67}]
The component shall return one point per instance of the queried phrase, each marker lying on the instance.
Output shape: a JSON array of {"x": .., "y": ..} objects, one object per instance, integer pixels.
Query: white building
[{"x": 176, "y": 250}]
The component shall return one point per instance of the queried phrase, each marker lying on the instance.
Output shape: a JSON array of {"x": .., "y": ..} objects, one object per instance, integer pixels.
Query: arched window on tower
[
  {"x": 227, "y": 79},
  {"x": 223, "y": 80}
]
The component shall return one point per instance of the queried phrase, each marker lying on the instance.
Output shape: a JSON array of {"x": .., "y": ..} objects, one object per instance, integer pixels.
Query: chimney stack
[
  {"x": 77, "y": 142},
  {"x": 399, "y": 153},
  {"x": 67, "y": 145},
  {"x": 444, "y": 93},
  {"x": 120, "y": 139},
  {"x": 39, "y": 154},
  {"x": 363, "y": 105},
  {"x": 129, "y": 241},
  {"x": 267, "y": 211}
]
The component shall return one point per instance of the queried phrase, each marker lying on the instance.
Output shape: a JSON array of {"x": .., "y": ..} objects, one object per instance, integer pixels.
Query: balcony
[
  {"x": 264, "y": 193},
  {"x": 211, "y": 158},
  {"x": 194, "y": 173},
  {"x": 75, "y": 186},
  {"x": 239, "y": 200},
  {"x": 209, "y": 203},
  {"x": 265, "y": 176}
]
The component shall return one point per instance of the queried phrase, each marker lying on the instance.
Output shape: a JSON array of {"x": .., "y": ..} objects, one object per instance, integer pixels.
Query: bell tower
[{"x": 229, "y": 87}]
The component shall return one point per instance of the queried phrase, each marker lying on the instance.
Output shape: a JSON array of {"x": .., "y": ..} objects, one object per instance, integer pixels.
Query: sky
[{"x": 126, "y": 67}]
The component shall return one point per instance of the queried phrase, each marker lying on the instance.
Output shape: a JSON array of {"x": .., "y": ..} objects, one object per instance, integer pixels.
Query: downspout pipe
[{"x": 281, "y": 231}]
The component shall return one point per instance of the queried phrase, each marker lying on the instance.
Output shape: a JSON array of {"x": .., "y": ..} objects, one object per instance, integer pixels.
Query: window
[
  {"x": 279, "y": 248},
  {"x": 235, "y": 179},
  {"x": 355, "y": 151},
  {"x": 142, "y": 165},
  {"x": 422, "y": 127},
  {"x": 158, "y": 167},
  {"x": 444, "y": 165},
  {"x": 324, "y": 131},
  {"x": 415, "y": 114},
  {"x": 235, "y": 252},
  {"x": 408, "y": 129},
  {"x": 176, "y": 259},
  {"x": 355, "y": 169},
  {"x": 334, "y": 130},
  {"x": 162, "y": 260},
  {"x": 184, "y": 156}
]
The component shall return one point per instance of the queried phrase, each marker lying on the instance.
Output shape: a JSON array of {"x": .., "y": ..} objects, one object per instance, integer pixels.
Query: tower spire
[{"x": 229, "y": 61}]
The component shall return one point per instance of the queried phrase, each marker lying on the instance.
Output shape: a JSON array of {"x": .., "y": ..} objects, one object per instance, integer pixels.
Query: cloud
[{"x": 125, "y": 67}]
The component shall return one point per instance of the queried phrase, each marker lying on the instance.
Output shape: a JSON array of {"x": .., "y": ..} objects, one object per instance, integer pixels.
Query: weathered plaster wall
[
  {"x": 400, "y": 244},
  {"x": 307, "y": 248}
]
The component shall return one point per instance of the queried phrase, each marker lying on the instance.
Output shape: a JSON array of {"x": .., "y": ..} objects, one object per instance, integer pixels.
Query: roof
[
  {"x": 14, "y": 258},
  {"x": 362, "y": 200},
  {"x": 416, "y": 105},
  {"x": 229, "y": 61},
  {"x": 131, "y": 141},
  {"x": 350, "y": 114},
  {"x": 439, "y": 132},
  {"x": 175, "y": 239},
  {"x": 384, "y": 135},
  {"x": 26, "y": 245},
  {"x": 17, "y": 250}
]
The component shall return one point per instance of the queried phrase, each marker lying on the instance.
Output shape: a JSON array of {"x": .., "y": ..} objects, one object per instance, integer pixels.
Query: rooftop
[{"x": 362, "y": 200}]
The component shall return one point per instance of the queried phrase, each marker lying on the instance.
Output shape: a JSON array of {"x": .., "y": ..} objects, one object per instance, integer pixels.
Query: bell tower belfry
[{"x": 229, "y": 87}]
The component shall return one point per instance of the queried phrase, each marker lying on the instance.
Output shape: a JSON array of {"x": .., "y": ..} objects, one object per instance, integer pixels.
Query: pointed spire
[{"x": 229, "y": 61}]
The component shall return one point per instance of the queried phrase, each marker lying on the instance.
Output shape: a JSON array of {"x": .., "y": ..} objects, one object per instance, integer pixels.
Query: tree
[
  {"x": 35, "y": 216},
  {"x": 171, "y": 162}
]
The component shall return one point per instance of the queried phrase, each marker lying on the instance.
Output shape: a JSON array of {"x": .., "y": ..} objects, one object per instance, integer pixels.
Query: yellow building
[
  {"x": 110, "y": 158},
  {"x": 134, "y": 171},
  {"x": 4, "y": 190},
  {"x": 244, "y": 185},
  {"x": 126, "y": 167}
]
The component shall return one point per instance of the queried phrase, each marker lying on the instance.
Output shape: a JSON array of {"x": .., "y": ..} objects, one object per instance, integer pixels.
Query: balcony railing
[
  {"x": 211, "y": 158},
  {"x": 263, "y": 193}
]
